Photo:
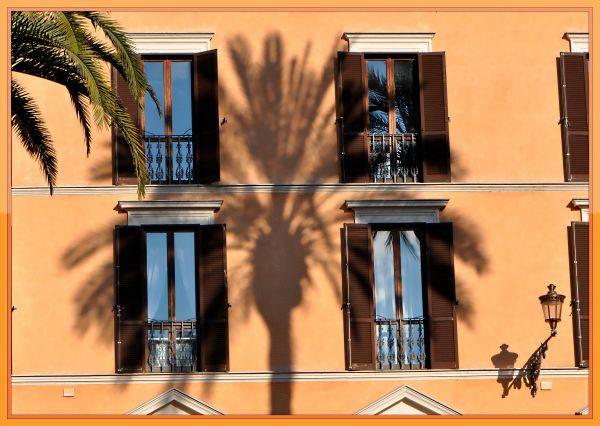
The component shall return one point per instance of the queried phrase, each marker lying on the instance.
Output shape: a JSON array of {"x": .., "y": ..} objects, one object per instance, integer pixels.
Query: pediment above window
[
  {"x": 169, "y": 212},
  {"x": 407, "y": 401},
  {"x": 396, "y": 211},
  {"x": 579, "y": 42},
  {"x": 175, "y": 402},
  {"x": 170, "y": 43},
  {"x": 388, "y": 42},
  {"x": 583, "y": 205}
]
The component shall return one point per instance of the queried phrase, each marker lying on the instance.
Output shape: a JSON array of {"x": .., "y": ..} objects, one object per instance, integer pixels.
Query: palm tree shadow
[{"x": 281, "y": 135}]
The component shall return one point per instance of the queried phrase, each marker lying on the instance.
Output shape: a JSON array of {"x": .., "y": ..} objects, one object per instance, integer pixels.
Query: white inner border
[
  {"x": 580, "y": 42},
  {"x": 396, "y": 211},
  {"x": 389, "y": 42},
  {"x": 165, "y": 43},
  {"x": 169, "y": 212}
]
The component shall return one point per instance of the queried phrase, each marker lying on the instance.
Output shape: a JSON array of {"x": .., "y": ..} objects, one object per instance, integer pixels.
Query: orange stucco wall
[
  {"x": 501, "y": 81},
  {"x": 283, "y": 249}
]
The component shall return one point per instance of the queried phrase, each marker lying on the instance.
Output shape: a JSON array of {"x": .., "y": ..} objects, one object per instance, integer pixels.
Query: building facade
[{"x": 349, "y": 213}]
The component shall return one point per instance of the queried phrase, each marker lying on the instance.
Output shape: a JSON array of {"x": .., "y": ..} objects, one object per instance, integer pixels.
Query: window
[
  {"x": 580, "y": 290},
  {"x": 168, "y": 138},
  {"x": 171, "y": 298},
  {"x": 392, "y": 117},
  {"x": 399, "y": 298},
  {"x": 573, "y": 70},
  {"x": 182, "y": 146}
]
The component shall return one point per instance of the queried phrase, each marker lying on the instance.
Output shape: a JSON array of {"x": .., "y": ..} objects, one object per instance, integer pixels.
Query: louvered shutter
[
  {"x": 123, "y": 165},
  {"x": 434, "y": 117},
  {"x": 131, "y": 299},
  {"x": 574, "y": 107},
  {"x": 359, "y": 319},
  {"x": 441, "y": 299},
  {"x": 580, "y": 290},
  {"x": 353, "y": 117},
  {"x": 205, "y": 117},
  {"x": 212, "y": 305}
]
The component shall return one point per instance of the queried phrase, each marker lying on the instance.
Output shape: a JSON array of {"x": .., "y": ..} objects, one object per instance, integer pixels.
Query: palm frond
[
  {"x": 29, "y": 126},
  {"x": 59, "y": 46}
]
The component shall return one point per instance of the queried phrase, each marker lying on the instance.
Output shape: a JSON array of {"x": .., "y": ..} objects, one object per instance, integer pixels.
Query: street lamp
[{"x": 552, "y": 306}]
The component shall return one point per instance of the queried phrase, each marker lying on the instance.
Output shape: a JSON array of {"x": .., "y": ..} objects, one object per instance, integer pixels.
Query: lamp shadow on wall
[{"x": 507, "y": 376}]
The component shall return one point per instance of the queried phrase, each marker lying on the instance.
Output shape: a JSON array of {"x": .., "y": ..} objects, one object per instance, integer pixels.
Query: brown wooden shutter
[
  {"x": 353, "y": 118},
  {"x": 212, "y": 306},
  {"x": 131, "y": 299},
  {"x": 205, "y": 117},
  {"x": 434, "y": 117},
  {"x": 441, "y": 299},
  {"x": 359, "y": 312},
  {"x": 574, "y": 108},
  {"x": 123, "y": 165},
  {"x": 580, "y": 290}
]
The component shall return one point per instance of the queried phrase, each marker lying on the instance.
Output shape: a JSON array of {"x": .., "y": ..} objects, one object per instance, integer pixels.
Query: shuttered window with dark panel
[
  {"x": 182, "y": 145},
  {"x": 393, "y": 117},
  {"x": 579, "y": 253},
  {"x": 573, "y": 69},
  {"x": 171, "y": 299},
  {"x": 399, "y": 296}
]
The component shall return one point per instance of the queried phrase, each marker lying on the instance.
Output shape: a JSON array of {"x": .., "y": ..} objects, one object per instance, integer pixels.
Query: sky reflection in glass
[
  {"x": 185, "y": 276},
  {"x": 156, "y": 261},
  {"x": 153, "y": 124}
]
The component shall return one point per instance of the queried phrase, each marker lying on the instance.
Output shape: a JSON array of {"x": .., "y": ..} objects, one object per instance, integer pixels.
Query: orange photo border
[{"x": 591, "y": 7}]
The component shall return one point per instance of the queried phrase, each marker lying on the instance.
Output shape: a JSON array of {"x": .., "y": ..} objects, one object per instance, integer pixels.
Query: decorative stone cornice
[
  {"x": 170, "y": 43},
  {"x": 580, "y": 42},
  {"x": 169, "y": 212},
  {"x": 388, "y": 42},
  {"x": 396, "y": 211},
  {"x": 415, "y": 399},
  {"x": 175, "y": 396}
]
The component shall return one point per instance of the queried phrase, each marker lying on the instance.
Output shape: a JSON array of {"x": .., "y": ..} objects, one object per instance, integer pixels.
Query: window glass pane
[
  {"x": 412, "y": 288},
  {"x": 385, "y": 294},
  {"x": 405, "y": 103},
  {"x": 156, "y": 260},
  {"x": 181, "y": 103},
  {"x": 153, "y": 124},
  {"x": 181, "y": 97},
  {"x": 185, "y": 276},
  {"x": 378, "y": 100}
]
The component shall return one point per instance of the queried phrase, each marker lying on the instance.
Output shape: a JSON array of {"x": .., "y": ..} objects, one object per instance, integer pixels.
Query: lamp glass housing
[{"x": 552, "y": 306}]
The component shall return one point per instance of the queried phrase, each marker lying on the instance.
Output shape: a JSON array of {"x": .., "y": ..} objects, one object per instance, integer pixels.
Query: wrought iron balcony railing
[
  {"x": 400, "y": 343},
  {"x": 171, "y": 346},
  {"x": 393, "y": 157},
  {"x": 169, "y": 159}
]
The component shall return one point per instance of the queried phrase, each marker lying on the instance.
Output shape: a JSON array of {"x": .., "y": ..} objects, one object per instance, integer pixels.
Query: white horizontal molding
[
  {"x": 334, "y": 376},
  {"x": 308, "y": 188},
  {"x": 170, "y": 43},
  {"x": 169, "y": 212},
  {"x": 396, "y": 211},
  {"x": 579, "y": 42},
  {"x": 389, "y": 42}
]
